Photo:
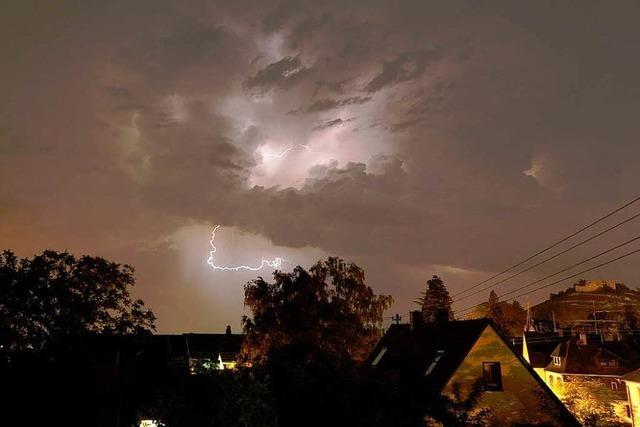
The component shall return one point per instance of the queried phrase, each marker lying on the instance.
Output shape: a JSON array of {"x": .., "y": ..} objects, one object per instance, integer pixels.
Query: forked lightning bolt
[
  {"x": 281, "y": 154},
  {"x": 275, "y": 263}
]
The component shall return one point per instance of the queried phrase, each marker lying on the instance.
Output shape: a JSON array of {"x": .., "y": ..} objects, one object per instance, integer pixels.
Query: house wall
[
  {"x": 540, "y": 372},
  {"x": 633, "y": 394},
  {"x": 523, "y": 399},
  {"x": 617, "y": 398}
]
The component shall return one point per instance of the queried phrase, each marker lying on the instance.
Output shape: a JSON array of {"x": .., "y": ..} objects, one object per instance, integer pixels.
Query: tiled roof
[
  {"x": 438, "y": 349},
  {"x": 633, "y": 376},
  {"x": 585, "y": 359},
  {"x": 540, "y": 346},
  {"x": 413, "y": 351}
]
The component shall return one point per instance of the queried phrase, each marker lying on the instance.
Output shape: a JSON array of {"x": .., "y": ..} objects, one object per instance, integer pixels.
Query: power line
[
  {"x": 556, "y": 282},
  {"x": 575, "y": 265},
  {"x": 613, "y": 212},
  {"x": 551, "y": 257}
]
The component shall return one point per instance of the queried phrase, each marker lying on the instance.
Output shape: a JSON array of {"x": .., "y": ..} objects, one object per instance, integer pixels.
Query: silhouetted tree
[
  {"x": 308, "y": 331},
  {"x": 328, "y": 309},
  {"x": 55, "y": 295},
  {"x": 460, "y": 410},
  {"x": 435, "y": 300},
  {"x": 219, "y": 398},
  {"x": 495, "y": 311}
]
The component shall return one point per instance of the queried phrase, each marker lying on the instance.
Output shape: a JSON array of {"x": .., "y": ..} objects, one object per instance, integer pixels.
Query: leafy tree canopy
[
  {"x": 55, "y": 294},
  {"x": 327, "y": 310},
  {"x": 589, "y": 400}
]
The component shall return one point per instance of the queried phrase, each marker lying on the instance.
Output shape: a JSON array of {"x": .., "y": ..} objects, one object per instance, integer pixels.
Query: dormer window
[
  {"x": 436, "y": 359},
  {"x": 379, "y": 356},
  {"x": 557, "y": 360}
]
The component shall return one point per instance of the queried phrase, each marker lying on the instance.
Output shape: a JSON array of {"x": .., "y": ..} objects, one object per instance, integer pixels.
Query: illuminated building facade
[{"x": 442, "y": 356}]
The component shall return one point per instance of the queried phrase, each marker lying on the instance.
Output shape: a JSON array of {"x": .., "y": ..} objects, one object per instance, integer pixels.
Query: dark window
[
  {"x": 611, "y": 363},
  {"x": 492, "y": 376}
]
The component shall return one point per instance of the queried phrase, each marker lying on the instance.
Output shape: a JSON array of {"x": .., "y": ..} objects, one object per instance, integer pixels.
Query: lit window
[
  {"x": 614, "y": 385},
  {"x": 436, "y": 359},
  {"x": 150, "y": 423},
  {"x": 557, "y": 360},
  {"x": 492, "y": 376},
  {"x": 379, "y": 356}
]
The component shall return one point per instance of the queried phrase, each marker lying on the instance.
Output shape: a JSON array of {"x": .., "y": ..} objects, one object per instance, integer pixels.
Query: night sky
[{"x": 413, "y": 138}]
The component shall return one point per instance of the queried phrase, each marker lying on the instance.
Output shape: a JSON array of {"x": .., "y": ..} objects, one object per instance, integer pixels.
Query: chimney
[
  {"x": 583, "y": 338},
  {"x": 416, "y": 319},
  {"x": 442, "y": 315},
  {"x": 228, "y": 330}
]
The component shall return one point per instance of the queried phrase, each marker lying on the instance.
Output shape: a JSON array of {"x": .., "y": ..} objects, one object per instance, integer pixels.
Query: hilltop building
[{"x": 595, "y": 285}]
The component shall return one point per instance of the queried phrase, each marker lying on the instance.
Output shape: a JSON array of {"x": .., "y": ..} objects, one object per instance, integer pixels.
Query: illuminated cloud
[{"x": 473, "y": 128}]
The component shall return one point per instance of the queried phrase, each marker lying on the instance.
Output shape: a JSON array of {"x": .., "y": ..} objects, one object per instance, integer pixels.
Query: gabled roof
[
  {"x": 540, "y": 345},
  {"x": 585, "y": 359},
  {"x": 633, "y": 376},
  {"x": 214, "y": 343},
  {"x": 413, "y": 351},
  {"x": 438, "y": 350}
]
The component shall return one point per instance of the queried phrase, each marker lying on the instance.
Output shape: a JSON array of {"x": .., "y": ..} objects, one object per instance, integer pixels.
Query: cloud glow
[{"x": 274, "y": 263}]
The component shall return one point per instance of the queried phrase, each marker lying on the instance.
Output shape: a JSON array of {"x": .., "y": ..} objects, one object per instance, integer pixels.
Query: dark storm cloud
[
  {"x": 281, "y": 74},
  {"x": 333, "y": 123},
  {"x": 488, "y": 129},
  {"x": 407, "y": 66},
  {"x": 331, "y": 86},
  {"x": 327, "y": 104}
]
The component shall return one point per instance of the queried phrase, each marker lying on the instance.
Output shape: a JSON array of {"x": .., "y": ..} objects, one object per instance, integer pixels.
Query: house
[
  {"x": 537, "y": 348},
  {"x": 632, "y": 382},
  {"x": 605, "y": 363},
  {"x": 445, "y": 356},
  {"x": 212, "y": 351}
]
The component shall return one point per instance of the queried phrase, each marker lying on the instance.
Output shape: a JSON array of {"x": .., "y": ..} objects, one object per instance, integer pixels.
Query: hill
[{"x": 612, "y": 302}]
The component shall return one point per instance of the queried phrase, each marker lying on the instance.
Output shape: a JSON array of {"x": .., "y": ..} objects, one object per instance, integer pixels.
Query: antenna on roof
[
  {"x": 529, "y": 326},
  {"x": 397, "y": 318}
]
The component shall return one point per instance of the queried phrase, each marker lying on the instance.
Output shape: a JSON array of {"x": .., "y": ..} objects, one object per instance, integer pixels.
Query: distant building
[
  {"x": 212, "y": 351},
  {"x": 440, "y": 356},
  {"x": 604, "y": 362},
  {"x": 107, "y": 367},
  {"x": 537, "y": 348},
  {"x": 595, "y": 285}
]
